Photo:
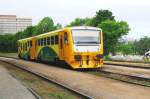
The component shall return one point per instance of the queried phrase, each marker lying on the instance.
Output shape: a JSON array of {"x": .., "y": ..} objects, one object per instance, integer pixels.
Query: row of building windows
[
  {"x": 12, "y": 21},
  {"x": 2, "y": 23},
  {"x": 5, "y": 28},
  {"x": 15, "y": 24},
  {"x": 25, "y": 20}
]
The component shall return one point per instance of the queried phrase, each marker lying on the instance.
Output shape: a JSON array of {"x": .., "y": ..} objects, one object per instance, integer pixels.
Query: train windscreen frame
[{"x": 86, "y": 36}]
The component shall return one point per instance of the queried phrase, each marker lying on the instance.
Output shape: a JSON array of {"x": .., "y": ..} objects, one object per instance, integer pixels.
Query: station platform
[{"x": 10, "y": 88}]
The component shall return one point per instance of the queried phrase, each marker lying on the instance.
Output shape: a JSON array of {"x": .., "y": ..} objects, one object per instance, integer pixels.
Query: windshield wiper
[
  {"x": 79, "y": 42},
  {"x": 93, "y": 42}
]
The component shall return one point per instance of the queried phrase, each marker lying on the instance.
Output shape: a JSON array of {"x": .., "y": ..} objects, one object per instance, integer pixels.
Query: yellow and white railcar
[{"x": 79, "y": 47}]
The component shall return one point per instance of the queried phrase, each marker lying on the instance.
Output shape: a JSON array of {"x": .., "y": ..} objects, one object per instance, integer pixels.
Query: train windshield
[{"x": 86, "y": 36}]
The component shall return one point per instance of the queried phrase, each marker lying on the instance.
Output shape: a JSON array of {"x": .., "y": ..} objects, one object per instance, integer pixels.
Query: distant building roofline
[
  {"x": 24, "y": 18},
  {"x": 13, "y": 23},
  {"x": 14, "y": 16},
  {"x": 7, "y": 15}
]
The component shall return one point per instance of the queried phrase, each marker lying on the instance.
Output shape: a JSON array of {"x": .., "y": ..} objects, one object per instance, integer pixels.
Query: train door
[
  {"x": 33, "y": 49},
  {"x": 63, "y": 45}
]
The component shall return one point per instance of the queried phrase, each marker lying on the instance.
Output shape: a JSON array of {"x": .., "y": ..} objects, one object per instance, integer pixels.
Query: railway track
[
  {"x": 47, "y": 79},
  {"x": 125, "y": 64},
  {"x": 121, "y": 76},
  {"x": 128, "y": 78},
  {"x": 133, "y": 78}
]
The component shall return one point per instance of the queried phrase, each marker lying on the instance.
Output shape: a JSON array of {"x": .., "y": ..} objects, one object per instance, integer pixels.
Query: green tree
[
  {"x": 45, "y": 25},
  {"x": 101, "y": 16},
  {"x": 6, "y": 43},
  {"x": 58, "y": 26},
  {"x": 143, "y": 45},
  {"x": 126, "y": 48},
  {"x": 112, "y": 32},
  {"x": 79, "y": 22},
  {"x": 28, "y": 32}
]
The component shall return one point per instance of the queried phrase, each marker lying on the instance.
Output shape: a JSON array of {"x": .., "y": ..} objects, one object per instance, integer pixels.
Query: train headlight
[
  {"x": 99, "y": 56},
  {"x": 77, "y": 57}
]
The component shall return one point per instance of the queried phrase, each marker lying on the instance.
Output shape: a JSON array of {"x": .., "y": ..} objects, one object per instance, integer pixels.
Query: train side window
[
  {"x": 52, "y": 40},
  {"x": 42, "y": 41},
  {"x": 23, "y": 47},
  {"x": 19, "y": 45},
  {"x": 48, "y": 40},
  {"x": 45, "y": 41},
  {"x": 56, "y": 39},
  {"x": 26, "y": 45},
  {"x": 65, "y": 38},
  {"x": 30, "y": 43},
  {"x": 38, "y": 42},
  {"x": 61, "y": 44}
]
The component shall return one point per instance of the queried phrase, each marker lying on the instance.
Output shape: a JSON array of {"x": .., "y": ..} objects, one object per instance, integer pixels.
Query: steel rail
[
  {"x": 48, "y": 79},
  {"x": 133, "y": 77},
  {"x": 37, "y": 96},
  {"x": 128, "y": 65}
]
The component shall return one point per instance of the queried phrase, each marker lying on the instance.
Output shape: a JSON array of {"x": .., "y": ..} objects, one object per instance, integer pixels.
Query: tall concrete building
[{"x": 13, "y": 24}]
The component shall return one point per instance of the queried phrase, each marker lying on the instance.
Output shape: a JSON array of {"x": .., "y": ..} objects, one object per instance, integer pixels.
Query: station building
[{"x": 13, "y": 24}]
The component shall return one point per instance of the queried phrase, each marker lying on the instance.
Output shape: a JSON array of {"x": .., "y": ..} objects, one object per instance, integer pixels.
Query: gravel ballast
[{"x": 97, "y": 87}]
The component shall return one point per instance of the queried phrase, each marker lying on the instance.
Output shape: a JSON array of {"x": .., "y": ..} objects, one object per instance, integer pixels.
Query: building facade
[{"x": 13, "y": 24}]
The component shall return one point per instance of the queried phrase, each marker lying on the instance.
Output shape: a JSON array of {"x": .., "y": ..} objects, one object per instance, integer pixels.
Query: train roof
[
  {"x": 25, "y": 39},
  {"x": 72, "y": 28},
  {"x": 84, "y": 27}
]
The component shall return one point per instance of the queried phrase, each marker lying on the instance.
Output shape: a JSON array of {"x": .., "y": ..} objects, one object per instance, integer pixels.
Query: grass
[
  {"x": 108, "y": 58},
  {"x": 146, "y": 61},
  {"x": 45, "y": 89},
  {"x": 9, "y": 54}
]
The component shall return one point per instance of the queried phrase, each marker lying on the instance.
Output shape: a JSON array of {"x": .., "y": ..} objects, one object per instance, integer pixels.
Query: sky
[{"x": 135, "y": 12}]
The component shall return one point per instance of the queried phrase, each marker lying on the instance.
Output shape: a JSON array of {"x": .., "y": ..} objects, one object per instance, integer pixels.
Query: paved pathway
[{"x": 10, "y": 88}]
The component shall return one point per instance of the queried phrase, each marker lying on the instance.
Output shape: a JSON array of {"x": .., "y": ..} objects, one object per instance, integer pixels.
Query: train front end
[{"x": 87, "y": 47}]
